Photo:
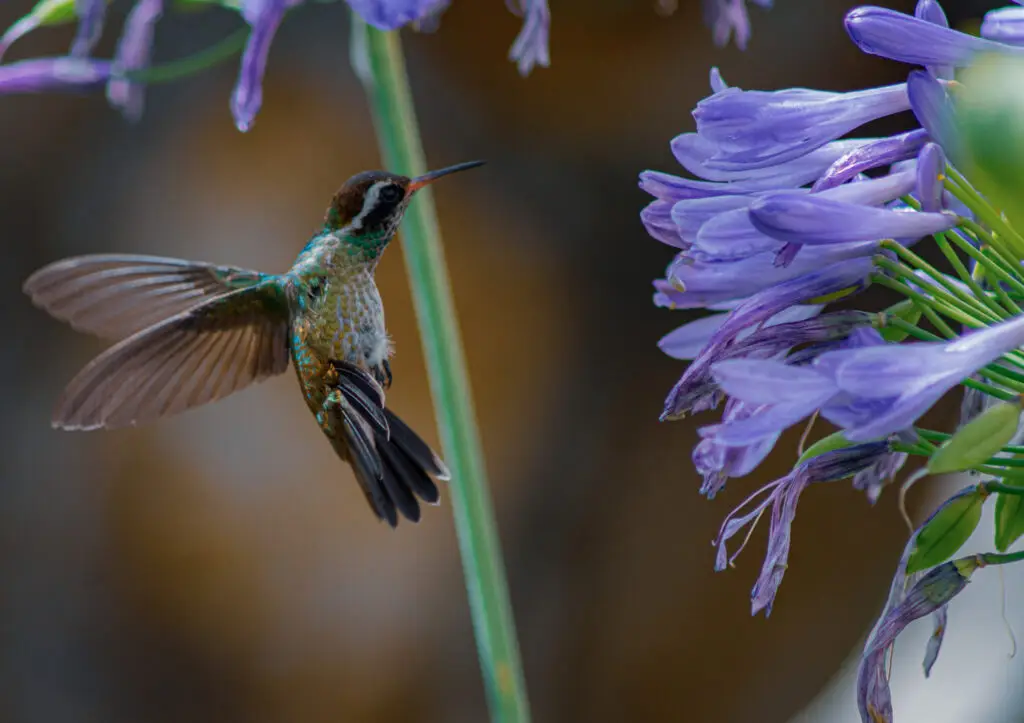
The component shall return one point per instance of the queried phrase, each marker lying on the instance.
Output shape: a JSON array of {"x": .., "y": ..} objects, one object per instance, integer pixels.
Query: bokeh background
[{"x": 222, "y": 566}]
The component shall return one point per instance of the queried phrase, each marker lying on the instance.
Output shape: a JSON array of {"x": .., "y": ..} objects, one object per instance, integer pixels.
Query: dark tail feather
[
  {"x": 415, "y": 448},
  {"x": 396, "y": 468}
]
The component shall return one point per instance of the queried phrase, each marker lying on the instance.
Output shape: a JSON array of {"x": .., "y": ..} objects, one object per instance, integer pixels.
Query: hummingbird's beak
[{"x": 427, "y": 178}]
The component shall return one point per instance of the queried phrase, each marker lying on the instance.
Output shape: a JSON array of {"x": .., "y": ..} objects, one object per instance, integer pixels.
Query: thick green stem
[{"x": 380, "y": 63}]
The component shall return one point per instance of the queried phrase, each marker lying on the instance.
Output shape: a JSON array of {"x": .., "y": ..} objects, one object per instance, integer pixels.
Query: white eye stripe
[{"x": 369, "y": 201}]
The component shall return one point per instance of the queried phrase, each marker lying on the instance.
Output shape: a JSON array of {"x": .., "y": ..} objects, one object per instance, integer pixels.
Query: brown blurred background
[{"x": 222, "y": 566}]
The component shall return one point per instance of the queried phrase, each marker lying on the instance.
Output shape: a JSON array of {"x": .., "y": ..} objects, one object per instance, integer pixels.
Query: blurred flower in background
[
  {"x": 126, "y": 75},
  {"x": 787, "y": 214},
  {"x": 122, "y": 75}
]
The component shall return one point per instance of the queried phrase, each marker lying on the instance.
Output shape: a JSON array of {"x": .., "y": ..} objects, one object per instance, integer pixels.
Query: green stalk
[
  {"x": 223, "y": 50},
  {"x": 982, "y": 304},
  {"x": 379, "y": 61},
  {"x": 929, "y": 305},
  {"x": 994, "y": 558},
  {"x": 961, "y": 188}
]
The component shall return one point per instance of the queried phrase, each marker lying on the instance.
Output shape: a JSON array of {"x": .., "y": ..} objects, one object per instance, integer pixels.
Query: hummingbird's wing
[
  {"x": 115, "y": 295},
  {"x": 392, "y": 464},
  {"x": 193, "y": 358}
]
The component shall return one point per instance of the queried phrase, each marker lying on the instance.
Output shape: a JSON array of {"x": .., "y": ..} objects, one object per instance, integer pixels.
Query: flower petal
[
  {"x": 1005, "y": 25},
  {"x": 133, "y": 53},
  {"x": 882, "y": 152},
  {"x": 813, "y": 220},
  {"x": 893, "y": 35},
  {"x": 763, "y": 381},
  {"x": 531, "y": 45},
  {"x": 934, "y": 111},
  {"x": 265, "y": 16},
  {"x": 931, "y": 11},
  {"x": 90, "y": 26},
  {"x": 694, "y": 153},
  {"x": 43, "y": 74},
  {"x": 931, "y": 165},
  {"x": 756, "y": 129},
  {"x": 393, "y": 14}
]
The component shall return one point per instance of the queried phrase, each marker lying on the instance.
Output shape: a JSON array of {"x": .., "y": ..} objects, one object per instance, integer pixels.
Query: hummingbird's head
[{"x": 371, "y": 204}]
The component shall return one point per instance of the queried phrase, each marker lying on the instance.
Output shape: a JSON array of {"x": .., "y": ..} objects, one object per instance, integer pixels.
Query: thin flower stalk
[{"x": 398, "y": 135}]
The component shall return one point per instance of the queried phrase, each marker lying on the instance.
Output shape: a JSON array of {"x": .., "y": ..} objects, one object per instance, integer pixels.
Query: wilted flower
[{"x": 782, "y": 496}]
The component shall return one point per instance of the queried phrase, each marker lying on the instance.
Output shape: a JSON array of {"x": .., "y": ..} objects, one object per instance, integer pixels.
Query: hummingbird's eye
[{"x": 391, "y": 194}]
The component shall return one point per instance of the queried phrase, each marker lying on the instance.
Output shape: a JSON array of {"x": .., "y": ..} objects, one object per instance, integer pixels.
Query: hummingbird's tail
[{"x": 393, "y": 465}]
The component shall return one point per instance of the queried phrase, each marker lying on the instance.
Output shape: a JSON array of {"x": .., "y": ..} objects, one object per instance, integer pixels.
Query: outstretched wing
[
  {"x": 115, "y": 295},
  {"x": 200, "y": 355},
  {"x": 392, "y": 464}
]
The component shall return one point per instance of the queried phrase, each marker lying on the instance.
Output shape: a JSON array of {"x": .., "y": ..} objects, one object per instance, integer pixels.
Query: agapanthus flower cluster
[
  {"x": 787, "y": 210},
  {"x": 79, "y": 70}
]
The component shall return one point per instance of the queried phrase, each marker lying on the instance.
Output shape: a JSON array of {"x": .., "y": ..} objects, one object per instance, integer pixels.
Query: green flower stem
[
  {"x": 996, "y": 265},
  {"x": 981, "y": 304},
  {"x": 994, "y": 558},
  {"x": 226, "y": 49},
  {"x": 997, "y": 253},
  {"x": 1002, "y": 489},
  {"x": 390, "y": 97},
  {"x": 935, "y": 436},
  {"x": 929, "y": 305},
  {"x": 912, "y": 330},
  {"x": 1012, "y": 462},
  {"x": 914, "y": 449},
  {"x": 960, "y": 188},
  {"x": 961, "y": 271}
]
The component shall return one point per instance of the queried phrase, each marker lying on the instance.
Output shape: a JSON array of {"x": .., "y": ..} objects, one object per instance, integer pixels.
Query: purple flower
[
  {"x": 697, "y": 281},
  {"x": 812, "y": 220},
  {"x": 666, "y": 187},
  {"x": 883, "y": 152},
  {"x": 746, "y": 230},
  {"x": 786, "y": 393},
  {"x": 692, "y": 393},
  {"x": 531, "y": 45},
  {"x": 756, "y": 129},
  {"x": 931, "y": 165},
  {"x": 393, "y": 14},
  {"x": 718, "y": 462},
  {"x": 133, "y": 53},
  {"x": 870, "y": 391},
  {"x": 657, "y": 219},
  {"x": 90, "y": 26},
  {"x": 934, "y": 110},
  {"x": 697, "y": 155},
  {"x": 687, "y": 341},
  {"x": 917, "y": 41},
  {"x": 1005, "y": 25},
  {"x": 728, "y": 18},
  {"x": 43, "y": 74},
  {"x": 931, "y": 11},
  {"x": 697, "y": 389},
  {"x": 264, "y": 16},
  {"x": 887, "y": 388},
  {"x": 782, "y": 496}
]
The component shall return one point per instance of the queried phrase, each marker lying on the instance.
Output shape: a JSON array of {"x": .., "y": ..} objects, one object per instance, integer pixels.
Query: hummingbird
[{"x": 190, "y": 332}]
